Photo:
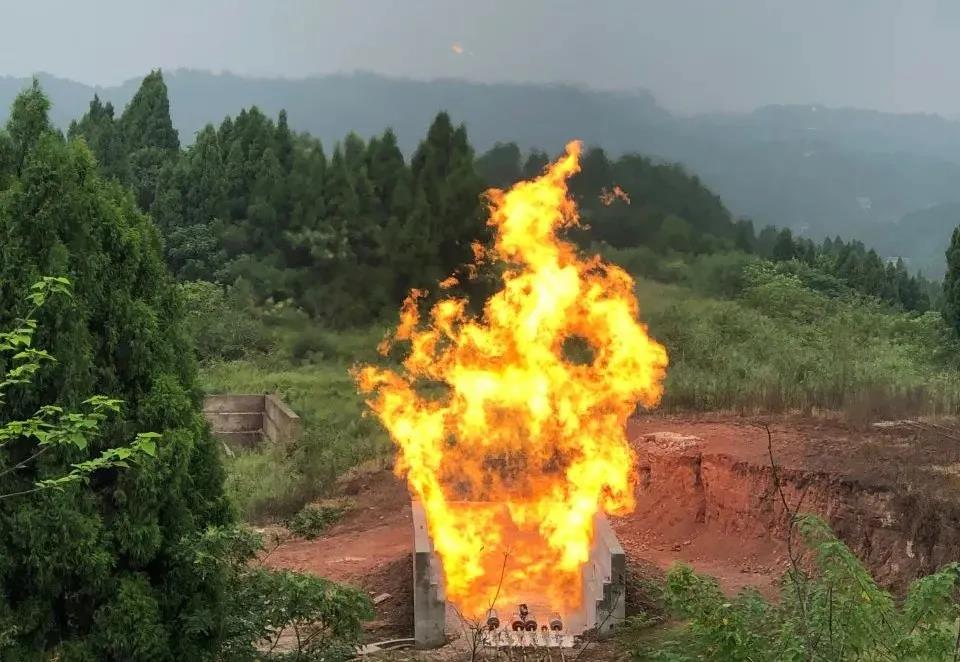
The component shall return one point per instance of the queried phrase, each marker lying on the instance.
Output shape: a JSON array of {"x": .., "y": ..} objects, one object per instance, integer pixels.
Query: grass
[
  {"x": 274, "y": 482},
  {"x": 741, "y": 335},
  {"x": 779, "y": 346}
]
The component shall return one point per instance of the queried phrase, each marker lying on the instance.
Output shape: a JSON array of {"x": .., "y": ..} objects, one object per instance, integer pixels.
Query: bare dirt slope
[{"x": 705, "y": 496}]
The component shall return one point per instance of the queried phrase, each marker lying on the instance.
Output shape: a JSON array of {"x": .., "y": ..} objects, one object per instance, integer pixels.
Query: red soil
[{"x": 734, "y": 534}]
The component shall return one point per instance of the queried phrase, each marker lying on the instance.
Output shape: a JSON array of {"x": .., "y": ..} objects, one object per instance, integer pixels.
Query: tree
[
  {"x": 146, "y": 119},
  {"x": 675, "y": 234},
  {"x": 120, "y": 589},
  {"x": 444, "y": 175},
  {"x": 99, "y": 128},
  {"x": 501, "y": 166},
  {"x": 24, "y": 442},
  {"x": 784, "y": 248},
  {"x": 951, "y": 282},
  {"x": 149, "y": 139}
]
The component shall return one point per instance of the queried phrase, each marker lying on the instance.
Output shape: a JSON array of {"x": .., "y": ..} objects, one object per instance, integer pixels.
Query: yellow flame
[{"x": 510, "y": 427}]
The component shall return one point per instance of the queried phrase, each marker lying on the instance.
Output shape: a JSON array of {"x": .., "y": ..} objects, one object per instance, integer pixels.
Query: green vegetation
[
  {"x": 833, "y": 611},
  {"x": 313, "y": 520},
  {"x": 102, "y": 559},
  {"x": 750, "y": 335},
  {"x": 309, "y": 367},
  {"x": 52, "y": 427}
]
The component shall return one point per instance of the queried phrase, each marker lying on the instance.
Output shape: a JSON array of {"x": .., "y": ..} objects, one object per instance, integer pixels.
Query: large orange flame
[{"x": 511, "y": 426}]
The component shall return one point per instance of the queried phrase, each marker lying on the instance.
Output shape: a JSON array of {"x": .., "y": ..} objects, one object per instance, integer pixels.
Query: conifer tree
[
  {"x": 951, "y": 282},
  {"x": 97, "y": 573}
]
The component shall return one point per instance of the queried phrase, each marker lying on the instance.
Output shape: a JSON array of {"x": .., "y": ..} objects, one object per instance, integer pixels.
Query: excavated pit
[{"x": 891, "y": 493}]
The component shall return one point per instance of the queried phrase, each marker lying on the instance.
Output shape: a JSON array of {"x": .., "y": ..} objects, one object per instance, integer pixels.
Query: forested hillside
[
  {"x": 819, "y": 171},
  {"x": 316, "y": 224}
]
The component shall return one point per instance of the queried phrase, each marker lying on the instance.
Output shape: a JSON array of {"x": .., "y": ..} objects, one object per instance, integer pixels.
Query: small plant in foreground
[{"x": 314, "y": 519}]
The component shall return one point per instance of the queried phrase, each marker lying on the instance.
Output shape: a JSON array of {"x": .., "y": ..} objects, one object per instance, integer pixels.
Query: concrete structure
[
  {"x": 429, "y": 600},
  {"x": 242, "y": 421},
  {"x": 604, "y": 586}
]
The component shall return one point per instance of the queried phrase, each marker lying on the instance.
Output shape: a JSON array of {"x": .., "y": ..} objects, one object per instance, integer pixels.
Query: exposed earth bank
[{"x": 706, "y": 496}]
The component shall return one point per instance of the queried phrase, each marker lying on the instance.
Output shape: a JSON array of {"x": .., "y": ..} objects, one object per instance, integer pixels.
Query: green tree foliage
[
  {"x": 116, "y": 589},
  {"x": 322, "y": 619},
  {"x": 103, "y": 136},
  {"x": 951, "y": 282},
  {"x": 52, "y": 427}
]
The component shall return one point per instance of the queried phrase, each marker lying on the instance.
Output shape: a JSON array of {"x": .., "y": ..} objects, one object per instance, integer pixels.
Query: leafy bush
[
  {"x": 312, "y": 520},
  {"x": 222, "y": 321},
  {"x": 321, "y": 620},
  {"x": 835, "y": 611}
]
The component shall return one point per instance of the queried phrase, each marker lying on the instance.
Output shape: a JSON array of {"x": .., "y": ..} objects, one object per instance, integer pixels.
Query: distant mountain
[
  {"x": 820, "y": 171},
  {"x": 922, "y": 237}
]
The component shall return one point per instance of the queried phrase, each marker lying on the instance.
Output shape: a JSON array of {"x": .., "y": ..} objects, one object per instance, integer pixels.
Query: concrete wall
[
  {"x": 429, "y": 598},
  {"x": 242, "y": 421},
  {"x": 280, "y": 424}
]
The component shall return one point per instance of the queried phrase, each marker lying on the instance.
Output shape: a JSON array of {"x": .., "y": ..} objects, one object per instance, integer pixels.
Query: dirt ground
[{"x": 371, "y": 547}]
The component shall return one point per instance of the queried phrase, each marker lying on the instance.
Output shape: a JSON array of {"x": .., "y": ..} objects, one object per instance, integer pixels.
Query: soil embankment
[{"x": 706, "y": 496}]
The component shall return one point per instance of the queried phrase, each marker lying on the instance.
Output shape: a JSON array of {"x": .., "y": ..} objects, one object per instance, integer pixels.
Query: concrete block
[
  {"x": 603, "y": 581},
  {"x": 236, "y": 421},
  {"x": 429, "y": 599},
  {"x": 233, "y": 403}
]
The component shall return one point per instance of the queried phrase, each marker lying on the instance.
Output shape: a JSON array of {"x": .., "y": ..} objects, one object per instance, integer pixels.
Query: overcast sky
[{"x": 693, "y": 55}]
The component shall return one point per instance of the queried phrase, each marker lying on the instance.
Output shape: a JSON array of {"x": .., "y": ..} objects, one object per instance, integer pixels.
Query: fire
[
  {"x": 608, "y": 196},
  {"x": 510, "y": 426}
]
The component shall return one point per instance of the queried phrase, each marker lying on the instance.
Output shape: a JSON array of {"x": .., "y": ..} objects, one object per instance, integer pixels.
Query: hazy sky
[{"x": 693, "y": 54}]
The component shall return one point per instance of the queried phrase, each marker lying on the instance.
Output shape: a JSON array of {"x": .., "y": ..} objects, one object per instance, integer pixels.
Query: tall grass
[
  {"x": 779, "y": 346},
  {"x": 313, "y": 378},
  {"x": 741, "y": 335}
]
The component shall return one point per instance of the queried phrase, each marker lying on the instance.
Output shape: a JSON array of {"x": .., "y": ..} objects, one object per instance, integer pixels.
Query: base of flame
[{"x": 602, "y": 608}]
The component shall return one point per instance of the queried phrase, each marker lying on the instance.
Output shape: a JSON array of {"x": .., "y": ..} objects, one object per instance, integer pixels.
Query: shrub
[
  {"x": 325, "y": 618},
  {"x": 834, "y": 611},
  {"x": 222, "y": 321},
  {"x": 313, "y": 520}
]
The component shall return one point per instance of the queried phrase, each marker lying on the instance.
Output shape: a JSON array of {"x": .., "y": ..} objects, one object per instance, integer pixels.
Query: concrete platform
[{"x": 602, "y": 609}]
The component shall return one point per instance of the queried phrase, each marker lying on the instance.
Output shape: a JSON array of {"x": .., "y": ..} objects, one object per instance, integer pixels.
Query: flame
[
  {"x": 608, "y": 196},
  {"x": 456, "y": 48},
  {"x": 511, "y": 441}
]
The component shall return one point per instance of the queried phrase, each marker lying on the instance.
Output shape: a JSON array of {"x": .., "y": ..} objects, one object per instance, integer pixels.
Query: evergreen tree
[
  {"x": 951, "y": 282},
  {"x": 149, "y": 139},
  {"x": 784, "y": 248},
  {"x": 535, "y": 164},
  {"x": 501, "y": 166},
  {"x": 146, "y": 120},
  {"x": 744, "y": 236},
  {"x": 445, "y": 176},
  {"x": 99, "y": 128},
  {"x": 98, "y": 573}
]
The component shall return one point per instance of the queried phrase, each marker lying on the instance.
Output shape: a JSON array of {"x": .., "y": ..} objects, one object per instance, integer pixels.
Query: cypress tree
[
  {"x": 149, "y": 139},
  {"x": 951, "y": 282},
  {"x": 96, "y": 572},
  {"x": 784, "y": 248}
]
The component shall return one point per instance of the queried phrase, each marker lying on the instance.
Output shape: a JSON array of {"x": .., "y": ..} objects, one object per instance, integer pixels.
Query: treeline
[
  {"x": 664, "y": 208},
  {"x": 346, "y": 233}
]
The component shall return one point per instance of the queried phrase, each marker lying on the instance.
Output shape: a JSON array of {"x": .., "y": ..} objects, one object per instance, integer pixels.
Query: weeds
[{"x": 313, "y": 520}]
